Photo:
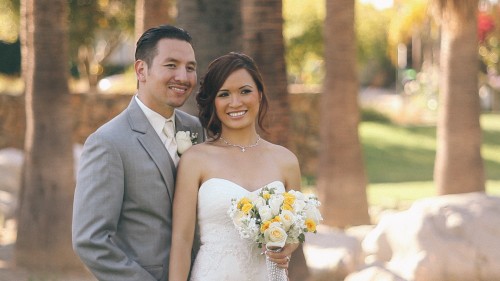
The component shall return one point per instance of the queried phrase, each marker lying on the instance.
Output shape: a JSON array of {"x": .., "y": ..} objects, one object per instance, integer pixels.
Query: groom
[{"x": 122, "y": 207}]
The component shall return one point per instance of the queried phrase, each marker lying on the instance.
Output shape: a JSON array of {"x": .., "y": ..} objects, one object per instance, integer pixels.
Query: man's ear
[{"x": 140, "y": 67}]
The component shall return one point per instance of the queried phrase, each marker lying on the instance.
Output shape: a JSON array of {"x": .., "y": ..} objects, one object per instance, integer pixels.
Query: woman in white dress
[{"x": 234, "y": 162}]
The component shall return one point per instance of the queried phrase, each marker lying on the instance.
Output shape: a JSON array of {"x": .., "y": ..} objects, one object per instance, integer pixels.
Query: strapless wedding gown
[{"x": 223, "y": 255}]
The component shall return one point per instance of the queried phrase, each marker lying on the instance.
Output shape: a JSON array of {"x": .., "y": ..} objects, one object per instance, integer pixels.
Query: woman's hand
[{"x": 282, "y": 258}]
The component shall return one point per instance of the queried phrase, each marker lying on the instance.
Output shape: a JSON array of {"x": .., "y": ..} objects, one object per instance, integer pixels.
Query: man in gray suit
[{"x": 122, "y": 215}]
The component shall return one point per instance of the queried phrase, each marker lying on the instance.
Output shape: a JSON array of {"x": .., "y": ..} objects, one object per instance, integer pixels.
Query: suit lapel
[
  {"x": 153, "y": 145},
  {"x": 179, "y": 126}
]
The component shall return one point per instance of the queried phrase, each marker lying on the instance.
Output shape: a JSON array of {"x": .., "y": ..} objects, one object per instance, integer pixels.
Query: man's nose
[{"x": 181, "y": 74}]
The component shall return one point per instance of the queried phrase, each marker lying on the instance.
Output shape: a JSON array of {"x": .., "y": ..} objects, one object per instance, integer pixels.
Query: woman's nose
[{"x": 235, "y": 100}]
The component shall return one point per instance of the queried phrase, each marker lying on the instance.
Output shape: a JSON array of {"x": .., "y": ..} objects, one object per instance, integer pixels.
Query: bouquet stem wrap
[{"x": 275, "y": 273}]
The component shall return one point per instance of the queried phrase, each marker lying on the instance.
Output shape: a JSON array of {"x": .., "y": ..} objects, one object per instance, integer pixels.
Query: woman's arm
[
  {"x": 291, "y": 173},
  {"x": 184, "y": 216}
]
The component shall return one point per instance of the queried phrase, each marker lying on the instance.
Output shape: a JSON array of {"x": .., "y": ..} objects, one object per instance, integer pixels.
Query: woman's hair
[{"x": 218, "y": 71}]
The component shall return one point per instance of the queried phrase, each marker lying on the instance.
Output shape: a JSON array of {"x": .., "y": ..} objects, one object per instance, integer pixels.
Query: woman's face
[{"x": 237, "y": 101}]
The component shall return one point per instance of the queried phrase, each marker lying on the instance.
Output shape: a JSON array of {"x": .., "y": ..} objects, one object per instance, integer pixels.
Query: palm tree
[
  {"x": 215, "y": 26},
  {"x": 459, "y": 166},
  {"x": 44, "y": 218},
  {"x": 150, "y": 13},
  {"x": 341, "y": 176},
  {"x": 263, "y": 39}
]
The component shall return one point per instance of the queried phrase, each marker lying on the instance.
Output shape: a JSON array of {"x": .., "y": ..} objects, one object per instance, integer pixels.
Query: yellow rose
[
  {"x": 276, "y": 219},
  {"x": 266, "y": 195},
  {"x": 242, "y": 202},
  {"x": 287, "y": 207},
  {"x": 289, "y": 198},
  {"x": 247, "y": 207},
  {"x": 265, "y": 226},
  {"x": 310, "y": 225}
]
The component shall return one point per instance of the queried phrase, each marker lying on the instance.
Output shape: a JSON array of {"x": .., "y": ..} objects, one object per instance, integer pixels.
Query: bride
[{"x": 233, "y": 163}]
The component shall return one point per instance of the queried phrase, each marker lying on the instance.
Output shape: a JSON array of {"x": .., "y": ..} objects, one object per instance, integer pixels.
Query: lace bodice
[{"x": 223, "y": 254}]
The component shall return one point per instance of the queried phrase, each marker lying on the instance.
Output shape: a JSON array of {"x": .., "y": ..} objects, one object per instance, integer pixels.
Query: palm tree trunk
[
  {"x": 459, "y": 166},
  {"x": 263, "y": 39},
  {"x": 44, "y": 218},
  {"x": 215, "y": 26},
  {"x": 150, "y": 13},
  {"x": 341, "y": 178}
]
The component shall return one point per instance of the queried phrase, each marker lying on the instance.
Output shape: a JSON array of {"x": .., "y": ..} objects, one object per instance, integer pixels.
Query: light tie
[{"x": 171, "y": 144}]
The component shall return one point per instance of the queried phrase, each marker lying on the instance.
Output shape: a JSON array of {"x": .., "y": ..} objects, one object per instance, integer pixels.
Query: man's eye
[
  {"x": 191, "y": 69},
  {"x": 170, "y": 65}
]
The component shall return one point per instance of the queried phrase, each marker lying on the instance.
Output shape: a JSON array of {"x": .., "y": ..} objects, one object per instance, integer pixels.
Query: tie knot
[{"x": 168, "y": 129}]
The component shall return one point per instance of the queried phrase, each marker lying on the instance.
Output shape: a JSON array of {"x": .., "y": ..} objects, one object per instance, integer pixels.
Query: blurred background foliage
[
  {"x": 397, "y": 47},
  {"x": 100, "y": 28}
]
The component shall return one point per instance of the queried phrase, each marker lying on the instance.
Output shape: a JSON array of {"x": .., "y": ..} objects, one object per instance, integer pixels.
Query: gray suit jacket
[{"x": 122, "y": 213}]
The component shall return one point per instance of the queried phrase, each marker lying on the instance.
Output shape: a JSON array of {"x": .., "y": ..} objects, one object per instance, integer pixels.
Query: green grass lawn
[{"x": 400, "y": 160}]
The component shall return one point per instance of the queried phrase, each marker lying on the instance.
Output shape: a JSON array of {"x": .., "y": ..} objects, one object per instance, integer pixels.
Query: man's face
[{"x": 171, "y": 77}]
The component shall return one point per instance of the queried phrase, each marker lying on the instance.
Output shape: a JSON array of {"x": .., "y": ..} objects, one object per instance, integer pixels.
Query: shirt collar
[{"x": 156, "y": 120}]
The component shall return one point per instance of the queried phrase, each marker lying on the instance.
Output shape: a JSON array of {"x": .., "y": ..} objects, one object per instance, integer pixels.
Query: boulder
[{"x": 451, "y": 237}]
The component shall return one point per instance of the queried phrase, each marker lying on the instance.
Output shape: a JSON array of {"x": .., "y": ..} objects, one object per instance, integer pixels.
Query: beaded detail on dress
[{"x": 223, "y": 254}]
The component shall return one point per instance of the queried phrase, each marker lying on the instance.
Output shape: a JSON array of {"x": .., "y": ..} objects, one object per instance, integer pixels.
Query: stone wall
[{"x": 91, "y": 111}]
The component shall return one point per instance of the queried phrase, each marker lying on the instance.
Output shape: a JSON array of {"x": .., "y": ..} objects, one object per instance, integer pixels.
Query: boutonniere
[{"x": 185, "y": 139}]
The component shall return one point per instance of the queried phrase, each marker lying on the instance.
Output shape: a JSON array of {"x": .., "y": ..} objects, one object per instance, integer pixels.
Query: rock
[
  {"x": 332, "y": 252},
  {"x": 373, "y": 273},
  {"x": 11, "y": 160},
  {"x": 451, "y": 237}
]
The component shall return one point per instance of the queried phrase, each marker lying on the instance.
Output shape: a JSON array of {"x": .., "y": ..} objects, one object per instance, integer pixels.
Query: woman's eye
[
  {"x": 222, "y": 94},
  {"x": 246, "y": 91}
]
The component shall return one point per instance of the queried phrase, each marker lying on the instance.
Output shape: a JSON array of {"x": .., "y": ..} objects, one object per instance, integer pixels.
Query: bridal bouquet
[{"x": 274, "y": 218}]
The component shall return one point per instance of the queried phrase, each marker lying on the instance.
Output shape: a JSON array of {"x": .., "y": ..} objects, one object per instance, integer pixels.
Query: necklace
[{"x": 242, "y": 147}]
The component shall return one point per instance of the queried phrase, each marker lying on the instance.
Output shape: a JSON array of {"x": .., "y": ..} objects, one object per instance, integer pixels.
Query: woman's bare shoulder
[
  {"x": 282, "y": 153},
  {"x": 197, "y": 152}
]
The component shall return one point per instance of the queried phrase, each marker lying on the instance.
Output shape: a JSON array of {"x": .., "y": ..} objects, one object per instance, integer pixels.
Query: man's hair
[{"x": 146, "y": 47}]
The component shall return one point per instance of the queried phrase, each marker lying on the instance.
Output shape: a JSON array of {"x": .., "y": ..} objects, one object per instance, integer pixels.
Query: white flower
[
  {"x": 257, "y": 200},
  {"x": 265, "y": 213},
  {"x": 184, "y": 141},
  {"x": 313, "y": 213},
  {"x": 275, "y": 203},
  {"x": 287, "y": 219},
  {"x": 275, "y": 217},
  {"x": 275, "y": 236}
]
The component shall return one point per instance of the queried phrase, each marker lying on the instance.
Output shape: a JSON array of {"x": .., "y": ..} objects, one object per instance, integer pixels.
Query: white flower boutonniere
[{"x": 185, "y": 140}]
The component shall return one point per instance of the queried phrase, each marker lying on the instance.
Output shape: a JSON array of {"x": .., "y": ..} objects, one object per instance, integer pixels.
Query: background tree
[
  {"x": 150, "y": 13},
  {"x": 341, "y": 176},
  {"x": 44, "y": 219},
  {"x": 216, "y": 28},
  {"x": 459, "y": 167},
  {"x": 97, "y": 28},
  {"x": 303, "y": 36},
  {"x": 263, "y": 41},
  {"x": 263, "y": 37}
]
